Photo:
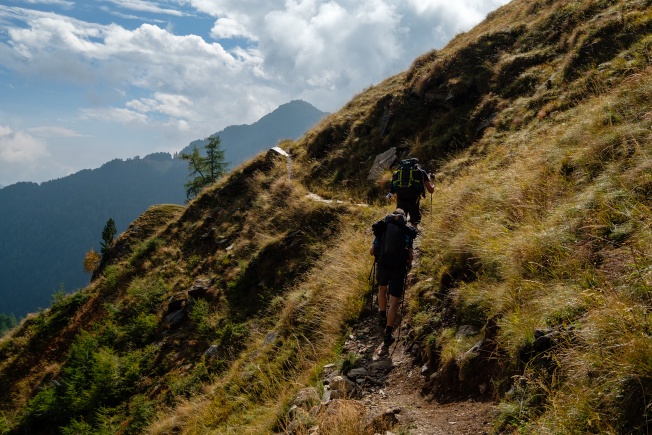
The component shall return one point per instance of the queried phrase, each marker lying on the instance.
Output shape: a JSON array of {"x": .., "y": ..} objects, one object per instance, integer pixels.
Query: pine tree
[
  {"x": 108, "y": 233},
  {"x": 204, "y": 170},
  {"x": 6, "y": 322}
]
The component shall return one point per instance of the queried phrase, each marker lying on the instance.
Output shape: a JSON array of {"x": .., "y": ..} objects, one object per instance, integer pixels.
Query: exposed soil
[{"x": 393, "y": 386}]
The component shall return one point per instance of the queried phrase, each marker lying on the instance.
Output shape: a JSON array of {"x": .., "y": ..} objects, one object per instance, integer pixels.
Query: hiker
[
  {"x": 409, "y": 184},
  {"x": 392, "y": 249}
]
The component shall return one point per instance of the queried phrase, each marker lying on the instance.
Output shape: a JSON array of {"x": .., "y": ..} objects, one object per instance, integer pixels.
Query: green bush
[
  {"x": 142, "y": 329},
  {"x": 111, "y": 276},
  {"x": 200, "y": 316},
  {"x": 93, "y": 379},
  {"x": 142, "y": 411},
  {"x": 44, "y": 407},
  {"x": 146, "y": 296},
  {"x": 78, "y": 428},
  {"x": 145, "y": 249}
]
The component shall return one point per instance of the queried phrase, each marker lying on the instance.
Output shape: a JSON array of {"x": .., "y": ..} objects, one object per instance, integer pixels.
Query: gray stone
[
  {"x": 381, "y": 365},
  {"x": 342, "y": 384},
  {"x": 212, "y": 351},
  {"x": 270, "y": 337},
  {"x": 326, "y": 397},
  {"x": 306, "y": 398},
  {"x": 466, "y": 331},
  {"x": 174, "y": 318},
  {"x": 357, "y": 373}
]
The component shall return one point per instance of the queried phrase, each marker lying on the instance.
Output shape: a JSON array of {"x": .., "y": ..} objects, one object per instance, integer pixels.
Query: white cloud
[
  {"x": 175, "y": 106},
  {"x": 20, "y": 146},
  {"x": 327, "y": 49},
  {"x": 62, "y": 3},
  {"x": 225, "y": 28},
  {"x": 54, "y": 131},
  {"x": 113, "y": 114},
  {"x": 147, "y": 78},
  {"x": 145, "y": 6}
]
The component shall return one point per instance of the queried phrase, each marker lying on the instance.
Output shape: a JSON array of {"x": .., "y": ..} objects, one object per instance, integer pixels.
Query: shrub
[
  {"x": 145, "y": 249},
  {"x": 142, "y": 329},
  {"x": 142, "y": 412},
  {"x": 78, "y": 428}
]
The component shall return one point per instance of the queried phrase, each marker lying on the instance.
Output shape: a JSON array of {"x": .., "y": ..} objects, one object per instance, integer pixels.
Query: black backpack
[
  {"x": 407, "y": 180},
  {"x": 392, "y": 249}
]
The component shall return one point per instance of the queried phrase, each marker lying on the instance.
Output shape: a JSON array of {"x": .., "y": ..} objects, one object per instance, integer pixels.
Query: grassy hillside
[{"x": 537, "y": 123}]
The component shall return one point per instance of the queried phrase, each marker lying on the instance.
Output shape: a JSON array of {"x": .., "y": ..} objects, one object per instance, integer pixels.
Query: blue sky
[{"x": 84, "y": 82}]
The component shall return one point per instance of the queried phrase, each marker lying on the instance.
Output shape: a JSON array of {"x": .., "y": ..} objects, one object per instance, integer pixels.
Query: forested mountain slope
[
  {"x": 46, "y": 229},
  {"x": 532, "y": 288}
]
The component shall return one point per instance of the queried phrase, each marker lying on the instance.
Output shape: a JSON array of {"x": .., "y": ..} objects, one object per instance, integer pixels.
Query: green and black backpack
[{"x": 407, "y": 180}]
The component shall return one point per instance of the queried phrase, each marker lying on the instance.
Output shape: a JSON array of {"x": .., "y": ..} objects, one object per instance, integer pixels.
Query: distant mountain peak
[{"x": 288, "y": 121}]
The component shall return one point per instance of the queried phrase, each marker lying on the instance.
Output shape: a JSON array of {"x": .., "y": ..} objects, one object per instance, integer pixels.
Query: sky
[{"x": 85, "y": 82}]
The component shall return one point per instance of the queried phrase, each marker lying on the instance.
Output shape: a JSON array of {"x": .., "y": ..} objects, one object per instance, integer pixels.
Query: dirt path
[
  {"x": 389, "y": 384},
  {"x": 393, "y": 386}
]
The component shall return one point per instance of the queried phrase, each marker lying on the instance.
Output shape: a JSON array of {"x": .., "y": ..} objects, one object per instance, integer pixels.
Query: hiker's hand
[{"x": 431, "y": 176}]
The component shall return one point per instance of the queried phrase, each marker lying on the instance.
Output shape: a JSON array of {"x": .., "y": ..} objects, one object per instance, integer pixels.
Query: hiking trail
[{"x": 389, "y": 385}]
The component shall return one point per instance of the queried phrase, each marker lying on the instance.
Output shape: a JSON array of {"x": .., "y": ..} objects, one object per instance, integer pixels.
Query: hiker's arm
[
  {"x": 428, "y": 184},
  {"x": 410, "y": 257},
  {"x": 373, "y": 246}
]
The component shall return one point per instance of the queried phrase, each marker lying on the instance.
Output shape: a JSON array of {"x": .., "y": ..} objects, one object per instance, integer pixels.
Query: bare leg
[
  {"x": 382, "y": 298},
  {"x": 393, "y": 310}
]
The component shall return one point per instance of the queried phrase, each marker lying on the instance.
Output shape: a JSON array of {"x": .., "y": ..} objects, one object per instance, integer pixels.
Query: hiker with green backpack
[
  {"x": 392, "y": 249},
  {"x": 409, "y": 184}
]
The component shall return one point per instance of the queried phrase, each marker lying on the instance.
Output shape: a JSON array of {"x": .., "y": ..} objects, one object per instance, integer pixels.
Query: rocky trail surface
[
  {"x": 384, "y": 385},
  {"x": 388, "y": 384}
]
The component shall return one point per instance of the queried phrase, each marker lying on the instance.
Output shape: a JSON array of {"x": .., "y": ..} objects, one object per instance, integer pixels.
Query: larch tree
[{"x": 204, "y": 170}]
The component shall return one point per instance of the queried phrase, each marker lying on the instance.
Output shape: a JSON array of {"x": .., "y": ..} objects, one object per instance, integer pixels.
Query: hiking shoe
[
  {"x": 388, "y": 340},
  {"x": 382, "y": 320}
]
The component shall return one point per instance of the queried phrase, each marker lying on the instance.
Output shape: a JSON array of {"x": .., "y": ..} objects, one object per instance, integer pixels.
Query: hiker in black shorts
[{"x": 392, "y": 248}]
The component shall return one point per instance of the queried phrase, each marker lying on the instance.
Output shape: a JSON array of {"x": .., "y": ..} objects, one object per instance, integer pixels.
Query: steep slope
[{"x": 532, "y": 287}]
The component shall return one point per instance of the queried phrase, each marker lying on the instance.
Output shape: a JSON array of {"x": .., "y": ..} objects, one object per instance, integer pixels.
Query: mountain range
[{"x": 46, "y": 229}]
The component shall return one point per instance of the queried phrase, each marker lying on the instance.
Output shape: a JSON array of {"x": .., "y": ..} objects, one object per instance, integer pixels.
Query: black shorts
[
  {"x": 411, "y": 209},
  {"x": 392, "y": 276}
]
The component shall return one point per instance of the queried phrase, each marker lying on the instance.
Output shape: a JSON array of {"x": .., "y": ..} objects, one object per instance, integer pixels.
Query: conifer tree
[
  {"x": 6, "y": 322},
  {"x": 204, "y": 170},
  {"x": 108, "y": 234}
]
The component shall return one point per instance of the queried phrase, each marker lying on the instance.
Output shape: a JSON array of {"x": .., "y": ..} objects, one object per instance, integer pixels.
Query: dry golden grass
[
  {"x": 251, "y": 396},
  {"x": 553, "y": 224}
]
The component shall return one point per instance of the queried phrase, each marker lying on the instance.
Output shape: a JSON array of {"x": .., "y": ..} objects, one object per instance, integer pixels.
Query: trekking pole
[
  {"x": 372, "y": 280},
  {"x": 400, "y": 310}
]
